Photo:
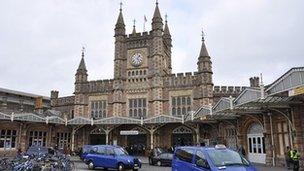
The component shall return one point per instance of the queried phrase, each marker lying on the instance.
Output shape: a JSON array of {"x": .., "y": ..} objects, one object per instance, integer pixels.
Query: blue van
[
  {"x": 109, "y": 156},
  {"x": 216, "y": 158},
  {"x": 85, "y": 151}
]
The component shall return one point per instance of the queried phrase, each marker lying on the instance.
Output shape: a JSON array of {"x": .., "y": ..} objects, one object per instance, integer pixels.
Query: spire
[
  {"x": 157, "y": 21},
  {"x": 166, "y": 29},
  {"x": 120, "y": 25},
  {"x": 203, "y": 51},
  {"x": 82, "y": 67},
  {"x": 134, "y": 30}
]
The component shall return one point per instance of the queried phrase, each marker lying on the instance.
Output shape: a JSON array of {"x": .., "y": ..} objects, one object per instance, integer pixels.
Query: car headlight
[{"x": 129, "y": 161}]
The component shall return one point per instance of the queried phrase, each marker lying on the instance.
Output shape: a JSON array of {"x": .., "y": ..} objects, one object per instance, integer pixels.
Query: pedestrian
[
  {"x": 296, "y": 158},
  {"x": 288, "y": 157},
  {"x": 19, "y": 153}
]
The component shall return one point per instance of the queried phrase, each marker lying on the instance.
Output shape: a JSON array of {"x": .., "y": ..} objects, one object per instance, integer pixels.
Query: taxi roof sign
[{"x": 220, "y": 146}]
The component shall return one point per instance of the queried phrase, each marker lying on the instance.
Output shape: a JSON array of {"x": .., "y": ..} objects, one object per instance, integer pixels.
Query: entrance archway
[
  {"x": 182, "y": 136},
  {"x": 137, "y": 143},
  {"x": 97, "y": 137},
  {"x": 256, "y": 144}
]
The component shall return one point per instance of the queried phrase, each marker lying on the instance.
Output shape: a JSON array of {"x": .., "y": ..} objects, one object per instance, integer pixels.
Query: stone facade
[
  {"x": 144, "y": 87},
  {"x": 152, "y": 79}
]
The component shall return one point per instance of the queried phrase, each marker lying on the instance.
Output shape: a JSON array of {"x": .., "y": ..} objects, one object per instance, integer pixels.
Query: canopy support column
[
  {"x": 197, "y": 131},
  {"x": 74, "y": 130}
]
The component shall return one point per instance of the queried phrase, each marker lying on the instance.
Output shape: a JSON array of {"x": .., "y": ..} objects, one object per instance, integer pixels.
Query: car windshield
[
  {"x": 225, "y": 157},
  {"x": 86, "y": 149},
  {"x": 120, "y": 152}
]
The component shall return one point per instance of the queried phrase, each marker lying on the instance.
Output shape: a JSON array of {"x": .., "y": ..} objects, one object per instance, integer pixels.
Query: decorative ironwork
[
  {"x": 117, "y": 120},
  {"x": 30, "y": 117},
  {"x": 56, "y": 120},
  {"x": 182, "y": 130},
  {"x": 163, "y": 119},
  {"x": 4, "y": 116},
  {"x": 79, "y": 121}
]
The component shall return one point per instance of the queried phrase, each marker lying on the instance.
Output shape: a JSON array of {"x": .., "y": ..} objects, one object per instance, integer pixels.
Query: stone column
[
  {"x": 197, "y": 131},
  {"x": 151, "y": 139},
  {"x": 73, "y": 139},
  {"x": 107, "y": 136}
]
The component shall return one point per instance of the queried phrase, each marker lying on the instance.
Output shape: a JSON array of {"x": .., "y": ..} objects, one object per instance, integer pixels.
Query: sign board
[
  {"x": 131, "y": 132},
  {"x": 296, "y": 91}
]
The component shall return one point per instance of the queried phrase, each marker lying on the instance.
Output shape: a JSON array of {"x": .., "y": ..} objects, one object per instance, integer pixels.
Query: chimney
[
  {"x": 39, "y": 105},
  {"x": 254, "y": 81},
  {"x": 54, "y": 97},
  {"x": 54, "y": 94}
]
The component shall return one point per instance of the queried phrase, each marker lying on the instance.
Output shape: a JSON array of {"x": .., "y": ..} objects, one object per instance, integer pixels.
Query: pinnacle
[
  {"x": 82, "y": 66},
  {"x": 203, "y": 51}
]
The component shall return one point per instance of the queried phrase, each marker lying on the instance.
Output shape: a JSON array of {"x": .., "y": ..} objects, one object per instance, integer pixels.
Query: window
[
  {"x": 98, "y": 109},
  {"x": 283, "y": 136},
  {"x": 200, "y": 159},
  {"x": 180, "y": 105},
  {"x": 8, "y": 139},
  {"x": 101, "y": 150},
  {"x": 138, "y": 108},
  {"x": 37, "y": 138},
  {"x": 184, "y": 155},
  {"x": 110, "y": 151},
  {"x": 63, "y": 139}
]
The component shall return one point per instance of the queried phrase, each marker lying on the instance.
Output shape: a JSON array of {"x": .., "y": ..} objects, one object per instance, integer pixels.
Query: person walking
[
  {"x": 296, "y": 158},
  {"x": 288, "y": 157}
]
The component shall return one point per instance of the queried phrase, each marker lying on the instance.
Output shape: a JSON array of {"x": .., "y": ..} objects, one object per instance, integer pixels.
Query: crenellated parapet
[
  {"x": 187, "y": 79},
  {"x": 64, "y": 101},
  {"x": 100, "y": 86},
  {"x": 226, "y": 91},
  {"x": 138, "y": 40}
]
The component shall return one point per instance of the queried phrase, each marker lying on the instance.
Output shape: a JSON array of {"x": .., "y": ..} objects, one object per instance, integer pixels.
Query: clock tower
[{"x": 142, "y": 60}]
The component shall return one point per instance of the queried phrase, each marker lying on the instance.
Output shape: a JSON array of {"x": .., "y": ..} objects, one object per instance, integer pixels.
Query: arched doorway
[
  {"x": 256, "y": 144},
  {"x": 182, "y": 136},
  {"x": 137, "y": 143},
  {"x": 97, "y": 137}
]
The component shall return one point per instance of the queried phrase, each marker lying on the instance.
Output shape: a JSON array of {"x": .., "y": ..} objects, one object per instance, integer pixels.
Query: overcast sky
[{"x": 40, "y": 41}]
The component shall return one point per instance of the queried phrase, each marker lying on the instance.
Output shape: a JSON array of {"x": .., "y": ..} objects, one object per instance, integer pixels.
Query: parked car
[
  {"x": 161, "y": 159},
  {"x": 193, "y": 158},
  {"x": 84, "y": 151},
  {"x": 109, "y": 156}
]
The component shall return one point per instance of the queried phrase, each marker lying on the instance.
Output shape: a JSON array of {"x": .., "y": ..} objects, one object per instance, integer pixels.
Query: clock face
[{"x": 136, "y": 59}]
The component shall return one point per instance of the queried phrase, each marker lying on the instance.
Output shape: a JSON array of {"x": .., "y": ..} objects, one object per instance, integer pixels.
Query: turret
[
  {"x": 120, "y": 29},
  {"x": 204, "y": 63},
  {"x": 167, "y": 35},
  {"x": 81, "y": 74},
  {"x": 120, "y": 35},
  {"x": 157, "y": 21},
  {"x": 134, "y": 29}
]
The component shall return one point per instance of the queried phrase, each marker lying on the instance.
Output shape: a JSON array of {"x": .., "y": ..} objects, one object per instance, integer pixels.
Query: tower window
[
  {"x": 180, "y": 105},
  {"x": 98, "y": 109},
  {"x": 137, "y": 108}
]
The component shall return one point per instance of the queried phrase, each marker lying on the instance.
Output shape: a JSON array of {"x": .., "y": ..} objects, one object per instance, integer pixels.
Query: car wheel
[
  {"x": 121, "y": 166},
  {"x": 91, "y": 165},
  {"x": 159, "y": 163}
]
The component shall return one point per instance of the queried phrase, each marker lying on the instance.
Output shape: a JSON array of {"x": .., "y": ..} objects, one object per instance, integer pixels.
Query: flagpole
[{"x": 145, "y": 20}]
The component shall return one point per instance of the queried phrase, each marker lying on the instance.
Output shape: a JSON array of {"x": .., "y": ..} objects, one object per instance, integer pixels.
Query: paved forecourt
[{"x": 80, "y": 166}]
